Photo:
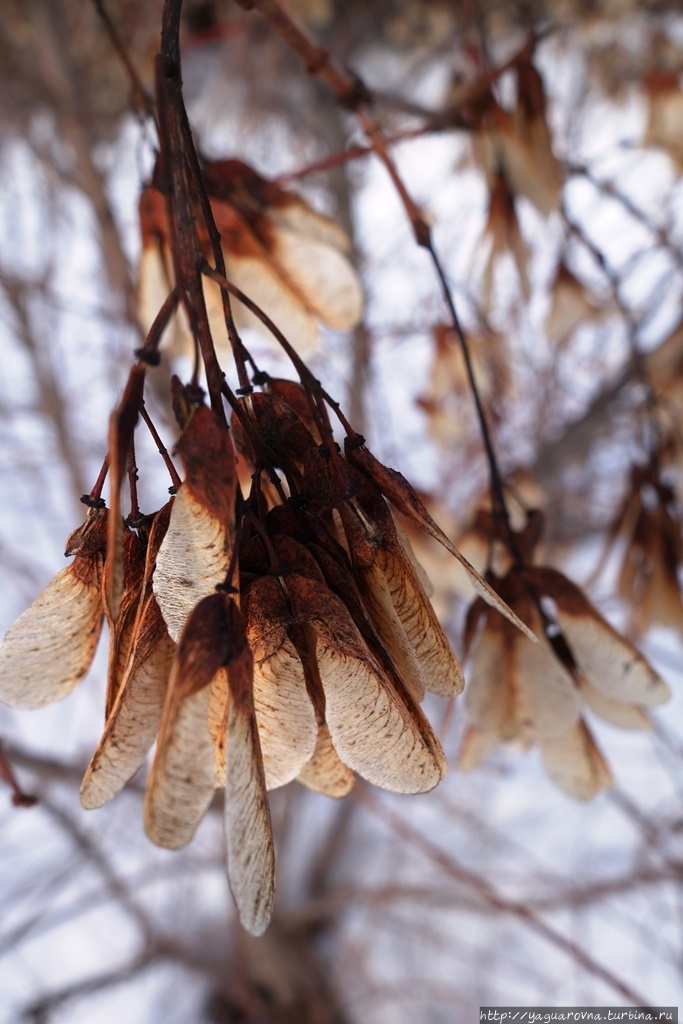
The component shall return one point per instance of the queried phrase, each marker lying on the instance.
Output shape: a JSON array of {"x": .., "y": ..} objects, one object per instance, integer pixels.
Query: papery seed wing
[
  {"x": 50, "y": 647},
  {"x": 286, "y": 720},
  {"x": 127, "y": 596},
  {"x": 574, "y": 763},
  {"x": 250, "y": 267},
  {"x": 610, "y": 663},
  {"x": 489, "y": 698},
  {"x": 442, "y": 673},
  {"x": 530, "y": 169},
  {"x": 192, "y": 561},
  {"x": 339, "y": 577},
  {"x": 218, "y": 721},
  {"x": 261, "y": 283},
  {"x": 616, "y": 712},
  {"x": 132, "y": 726},
  {"x": 134, "y": 720},
  {"x": 378, "y": 599},
  {"x": 248, "y": 829},
  {"x": 322, "y": 276},
  {"x": 377, "y": 732},
  {"x": 570, "y": 307},
  {"x": 195, "y": 554},
  {"x": 326, "y": 772},
  {"x": 516, "y": 689},
  {"x": 183, "y": 776},
  {"x": 662, "y": 601},
  {"x": 399, "y": 492},
  {"x": 476, "y": 746},
  {"x": 237, "y": 183},
  {"x": 419, "y": 569},
  {"x": 548, "y": 699},
  {"x": 297, "y": 216}
]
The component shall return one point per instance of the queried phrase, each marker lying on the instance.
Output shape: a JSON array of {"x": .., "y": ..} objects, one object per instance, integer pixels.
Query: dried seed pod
[
  {"x": 248, "y": 828},
  {"x": 517, "y": 690},
  {"x": 574, "y": 763},
  {"x": 288, "y": 259},
  {"x": 571, "y": 306},
  {"x": 196, "y": 551},
  {"x": 608, "y": 661},
  {"x": 325, "y": 772},
  {"x": 50, "y": 647},
  {"x": 291, "y": 392},
  {"x": 183, "y": 776},
  {"x": 121, "y": 622},
  {"x": 376, "y": 730},
  {"x": 132, "y": 725},
  {"x": 284, "y": 713},
  {"x": 283, "y": 431},
  {"x": 537, "y": 697},
  {"x": 396, "y": 489},
  {"x": 616, "y": 712}
]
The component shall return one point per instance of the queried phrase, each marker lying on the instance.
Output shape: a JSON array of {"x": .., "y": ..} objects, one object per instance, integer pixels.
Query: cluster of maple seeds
[
  {"x": 536, "y": 695},
  {"x": 283, "y": 635}
]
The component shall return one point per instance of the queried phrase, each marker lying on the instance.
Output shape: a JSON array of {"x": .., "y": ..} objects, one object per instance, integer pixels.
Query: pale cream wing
[
  {"x": 326, "y": 772},
  {"x": 616, "y": 712},
  {"x": 323, "y": 276},
  {"x": 134, "y": 721},
  {"x": 298, "y": 217},
  {"x": 377, "y": 598},
  {"x": 248, "y": 829},
  {"x": 548, "y": 698},
  {"x": 193, "y": 559},
  {"x": 154, "y": 285},
  {"x": 574, "y": 763},
  {"x": 50, "y": 647},
  {"x": 261, "y": 283},
  {"x": 417, "y": 565},
  {"x": 440, "y": 668},
  {"x": 527, "y": 176},
  {"x": 370, "y": 727},
  {"x": 182, "y": 780},
  {"x": 486, "y": 696},
  {"x": 610, "y": 663},
  {"x": 477, "y": 745},
  {"x": 377, "y": 732},
  {"x": 284, "y": 714},
  {"x": 218, "y": 718}
]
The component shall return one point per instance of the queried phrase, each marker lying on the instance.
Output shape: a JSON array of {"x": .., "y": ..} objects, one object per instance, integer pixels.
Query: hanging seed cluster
[{"x": 262, "y": 634}]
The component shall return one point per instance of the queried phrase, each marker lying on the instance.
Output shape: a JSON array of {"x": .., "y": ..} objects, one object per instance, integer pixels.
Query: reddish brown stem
[
  {"x": 175, "y": 478},
  {"x": 94, "y": 499},
  {"x": 174, "y": 175}
]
